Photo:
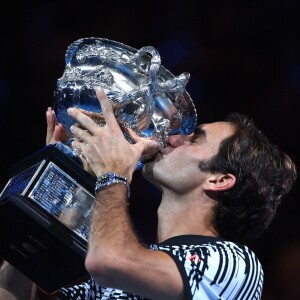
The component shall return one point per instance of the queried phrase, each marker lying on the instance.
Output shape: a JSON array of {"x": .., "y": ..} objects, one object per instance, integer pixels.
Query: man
[{"x": 223, "y": 181}]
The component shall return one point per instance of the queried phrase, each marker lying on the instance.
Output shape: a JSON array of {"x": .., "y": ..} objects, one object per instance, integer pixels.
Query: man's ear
[{"x": 219, "y": 182}]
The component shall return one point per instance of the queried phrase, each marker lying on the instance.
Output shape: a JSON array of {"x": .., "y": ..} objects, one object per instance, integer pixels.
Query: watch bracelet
[{"x": 116, "y": 179}]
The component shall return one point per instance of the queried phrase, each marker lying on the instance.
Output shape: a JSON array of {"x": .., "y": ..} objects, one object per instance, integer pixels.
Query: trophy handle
[{"x": 156, "y": 93}]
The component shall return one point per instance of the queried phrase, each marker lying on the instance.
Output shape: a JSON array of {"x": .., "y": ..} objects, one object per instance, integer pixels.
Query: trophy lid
[{"x": 146, "y": 97}]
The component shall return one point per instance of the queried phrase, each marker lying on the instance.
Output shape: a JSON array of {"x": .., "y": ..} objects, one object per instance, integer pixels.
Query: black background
[{"x": 242, "y": 56}]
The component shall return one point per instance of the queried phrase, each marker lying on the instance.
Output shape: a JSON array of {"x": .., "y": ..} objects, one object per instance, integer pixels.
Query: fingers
[
  {"x": 106, "y": 107},
  {"x": 83, "y": 119},
  {"x": 136, "y": 138},
  {"x": 78, "y": 146},
  {"x": 50, "y": 117},
  {"x": 79, "y": 149},
  {"x": 80, "y": 133},
  {"x": 148, "y": 147},
  {"x": 55, "y": 132},
  {"x": 107, "y": 111},
  {"x": 50, "y": 124}
]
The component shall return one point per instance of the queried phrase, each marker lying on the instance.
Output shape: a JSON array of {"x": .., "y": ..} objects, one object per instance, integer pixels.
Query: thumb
[{"x": 146, "y": 146}]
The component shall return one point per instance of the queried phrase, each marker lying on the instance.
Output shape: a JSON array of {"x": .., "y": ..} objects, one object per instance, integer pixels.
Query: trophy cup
[{"x": 45, "y": 205}]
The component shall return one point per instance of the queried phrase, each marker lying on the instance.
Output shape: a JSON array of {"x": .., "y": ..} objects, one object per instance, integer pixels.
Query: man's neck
[{"x": 185, "y": 215}]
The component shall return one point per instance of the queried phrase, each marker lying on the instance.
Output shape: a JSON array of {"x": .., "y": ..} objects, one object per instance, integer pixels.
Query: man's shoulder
[
  {"x": 211, "y": 249},
  {"x": 214, "y": 266}
]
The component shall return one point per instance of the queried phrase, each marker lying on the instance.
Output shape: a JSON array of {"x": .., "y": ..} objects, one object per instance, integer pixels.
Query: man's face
[{"x": 176, "y": 167}]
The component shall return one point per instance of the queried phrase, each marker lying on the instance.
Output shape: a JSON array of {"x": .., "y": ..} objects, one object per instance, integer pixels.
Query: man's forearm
[
  {"x": 113, "y": 242},
  {"x": 14, "y": 285},
  {"x": 111, "y": 225}
]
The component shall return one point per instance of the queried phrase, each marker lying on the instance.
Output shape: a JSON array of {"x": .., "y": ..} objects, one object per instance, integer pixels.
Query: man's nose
[{"x": 178, "y": 140}]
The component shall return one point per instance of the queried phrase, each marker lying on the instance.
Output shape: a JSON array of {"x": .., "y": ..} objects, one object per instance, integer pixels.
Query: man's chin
[
  {"x": 148, "y": 173},
  {"x": 148, "y": 165}
]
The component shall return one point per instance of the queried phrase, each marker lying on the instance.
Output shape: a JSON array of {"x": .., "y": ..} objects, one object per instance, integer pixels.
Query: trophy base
[{"x": 44, "y": 214}]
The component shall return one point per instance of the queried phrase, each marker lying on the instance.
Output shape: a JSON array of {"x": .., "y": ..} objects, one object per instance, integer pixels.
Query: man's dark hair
[{"x": 264, "y": 174}]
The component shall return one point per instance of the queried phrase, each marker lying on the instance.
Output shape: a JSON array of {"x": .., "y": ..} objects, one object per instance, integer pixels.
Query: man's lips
[{"x": 166, "y": 150}]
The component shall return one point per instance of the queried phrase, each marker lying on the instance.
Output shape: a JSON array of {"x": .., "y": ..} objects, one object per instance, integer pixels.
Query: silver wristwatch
[{"x": 110, "y": 178}]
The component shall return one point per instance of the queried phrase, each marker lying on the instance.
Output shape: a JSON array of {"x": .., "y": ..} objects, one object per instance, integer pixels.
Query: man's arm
[
  {"x": 14, "y": 285},
  {"x": 116, "y": 257}
]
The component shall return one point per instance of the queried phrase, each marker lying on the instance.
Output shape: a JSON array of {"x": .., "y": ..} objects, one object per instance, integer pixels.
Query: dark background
[{"x": 242, "y": 56}]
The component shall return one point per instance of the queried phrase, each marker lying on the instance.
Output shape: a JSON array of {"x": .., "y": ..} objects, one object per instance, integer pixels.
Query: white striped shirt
[{"x": 211, "y": 268}]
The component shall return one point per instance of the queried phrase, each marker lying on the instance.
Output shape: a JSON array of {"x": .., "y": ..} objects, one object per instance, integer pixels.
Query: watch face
[
  {"x": 106, "y": 179},
  {"x": 109, "y": 178}
]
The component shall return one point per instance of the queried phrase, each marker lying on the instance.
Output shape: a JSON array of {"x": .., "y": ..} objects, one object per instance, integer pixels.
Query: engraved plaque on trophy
[{"x": 45, "y": 205}]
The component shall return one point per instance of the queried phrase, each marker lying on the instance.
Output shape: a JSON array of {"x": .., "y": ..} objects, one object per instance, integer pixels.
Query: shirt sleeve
[
  {"x": 90, "y": 290},
  {"x": 220, "y": 271},
  {"x": 82, "y": 291}
]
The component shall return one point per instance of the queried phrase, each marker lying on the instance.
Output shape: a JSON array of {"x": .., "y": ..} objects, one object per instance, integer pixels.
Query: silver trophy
[
  {"x": 49, "y": 192},
  {"x": 145, "y": 96}
]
